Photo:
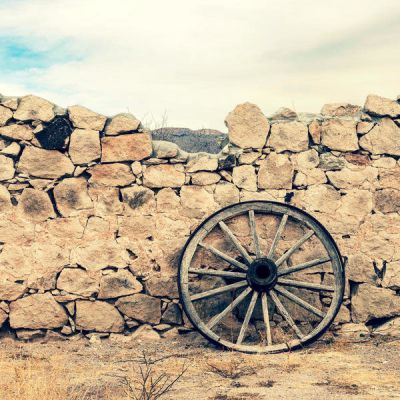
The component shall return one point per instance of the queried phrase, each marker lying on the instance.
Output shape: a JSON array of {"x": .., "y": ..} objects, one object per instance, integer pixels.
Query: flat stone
[
  {"x": 202, "y": 162},
  {"x": 226, "y": 193},
  {"x": 323, "y": 198},
  {"x": 205, "y": 178},
  {"x": 37, "y": 311},
  {"x": 141, "y": 307},
  {"x": 122, "y": 123},
  {"x": 305, "y": 160},
  {"x": 29, "y": 334},
  {"x": 247, "y": 126},
  {"x": 33, "y": 108},
  {"x": 12, "y": 149},
  {"x": 9, "y": 102},
  {"x": 164, "y": 175},
  {"x": 381, "y": 106},
  {"x": 196, "y": 201},
  {"x": 348, "y": 178},
  {"x": 17, "y": 132},
  {"x": 111, "y": 175},
  {"x": 339, "y": 135},
  {"x": 72, "y": 197},
  {"x": 244, "y": 177},
  {"x": 353, "y": 333},
  {"x": 387, "y": 200},
  {"x": 10, "y": 290},
  {"x": 44, "y": 163},
  {"x": 389, "y": 178},
  {"x": 276, "y": 172},
  {"x": 136, "y": 227},
  {"x": 292, "y": 136},
  {"x": 82, "y": 117},
  {"x": 98, "y": 316},
  {"x": 118, "y": 284},
  {"x": 78, "y": 281},
  {"x": 130, "y": 147},
  {"x": 138, "y": 200},
  {"x": 7, "y": 170},
  {"x": 391, "y": 278},
  {"x": 5, "y": 115},
  {"x": 35, "y": 205},
  {"x": 341, "y": 110},
  {"x": 360, "y": 268},
  {"x": 364, "y": 127},
  {"x": 160, "y": 285},
  {"x": 145, "y": 333},
  {"x": 84, "y": 146}
]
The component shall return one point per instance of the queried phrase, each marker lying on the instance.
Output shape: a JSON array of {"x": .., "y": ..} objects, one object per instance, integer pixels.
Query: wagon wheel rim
[{"x": 260, "y": 278}]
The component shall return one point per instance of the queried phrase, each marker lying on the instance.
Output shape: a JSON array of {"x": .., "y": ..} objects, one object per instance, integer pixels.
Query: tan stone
[
  {"x": 348, "y": 178},
  {"x": 389, "y": 329},
  {"x": 364, "y": 127},
  {"x": 7, "y": 169},
  {"x": 122, "y": 123},
  {"x": 276, "y": 172},
  {"x": 165, "y": 175},
  {"x": 111, "y": 175},
  {"x": 315, "y": 131},
  {"x": 305, "y": 160},
  {"x": 136, "y": 227},
  {"x": 205, "y": 178},
  {"x": 78, "y": 281},
  {"x": 250, "y": 157},
  {"x": 384, "y": 162},
  {"x": 10, "y": 290},
  {"x": 202, "y": 162},
  {"x": 356, "y": 202},
  {"x": 339, "y": 135},
  {"x": 383, "y": 138},
  {"x": 35, "y": 205},
  {"x": 354, "y": 333},
  {"x": 5, "y": 200},
  {"x": 358, "y": 159},
  {"x": 360, "y": 268},
  {"x": 292, "y": 136},
  {"x": 130, "y": 147},
  {"x": 118, "y": 284},
  {"x": 37, "y": 311},
  {"x": 83, "y": 118},
  {"x": 387, "y": 200},
  {"x": 341, "y": 110},
  {"x": 284, "y": 113},
  {"x": 321, "y": 198},
  {"x": 141, "y": 307},
  {"x": 268, "y": 195},
  {"x": 392, "y": 276},
  {"x": 12, "y": 149},
  {"x": 163, "y": 149},
  {"x": 196, "y": 201},
  {"x": 44, "y": 163},
  {"x": 84, "y": 146},
  {"x": 101, "y": 228},
  {"x": 72, "y": 197},
  {"x": 169, "y": 227},
  {"x": 167, "y": 201},
  {"x": 17, "y": 132},
  {"x": 247, "y": 126},
  {"x": 3, "y": 317},
  {"x": 5, "y": 115},
  {"x": 98, "y": 316},
  {"x": 160, "y": 285},
  {"x": 34, "y": 108},
  {"x": 313, "y": 176},
  {"x": 105, "y": 200},
  {"x": 226, "y": 193},
  {"x": 145, "y": 333},
  {"x": 389, "y": 178},
  {"x": 9, "y": 102},
  {"x": 381, "y": 106},
  {"x": 138, "y": 200},
  {"x": 244, "y": 177}
]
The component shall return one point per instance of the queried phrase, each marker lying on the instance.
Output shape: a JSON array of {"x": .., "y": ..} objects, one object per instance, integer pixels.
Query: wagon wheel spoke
[
  {"x": 285, "y": 314},
  {"x": 253, "y": 229},
  {"x": 236, "y": 242},
  {"x": 217, "y": 291},
  {"x": 300, "y": 267},
  {"x": 264, "y": 303},
  {"x": 217, "y": 318},
  {"x": 278, "y": 235},
  {"x": 299, "y": 301},
  {"x": 223, "y": 256},
  {"x": 289, "y": 252},
  {"x": 246, "y": 321},
  {"x": 306, "y": 285},
  {"x": 224, "y": 274}
]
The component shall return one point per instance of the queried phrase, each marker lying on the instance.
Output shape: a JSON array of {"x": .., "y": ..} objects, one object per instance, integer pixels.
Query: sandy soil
[{"x": 110, "y": 370}]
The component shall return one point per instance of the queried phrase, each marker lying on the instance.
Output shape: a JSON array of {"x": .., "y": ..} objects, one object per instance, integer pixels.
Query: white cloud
[{"x": 196, "y": 59}]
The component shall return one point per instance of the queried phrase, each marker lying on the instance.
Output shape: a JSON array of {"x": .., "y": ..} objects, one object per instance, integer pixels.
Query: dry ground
[{"x": 109, "y": 370}]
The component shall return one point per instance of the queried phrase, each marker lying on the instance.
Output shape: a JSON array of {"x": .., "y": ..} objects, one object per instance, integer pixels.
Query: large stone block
[
  {"x": 122, "y": 123},
  {"x": 82, "y": 117},
  {"x": 111, "y": 175},
  {"x": 387, "y": 200},
  {"x": 7, "y": 169},
  {"x": 244, "y": 177},
  {"x": 141, "y": 307},
  {"x": 5, "y": 115},
  {"x": 34, "y": 108},
  {"x": 118, "y": 284},
  {"x": 382, "y": 106},
  {"x": 339, "y": 135},
  {"x": 35, "y": 205},
  {"x": 17, "y": 132},
  {"x": 276, "y": 172},
  {"x": 79, "y": 281},
  {"x": 164, "y": 175},
  {"x": 84, "y": 146},
  {"x": 292, "y": 136}
]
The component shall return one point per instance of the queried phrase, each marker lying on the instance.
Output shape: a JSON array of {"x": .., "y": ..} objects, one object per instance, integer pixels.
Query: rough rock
[
  {"x": 392, "y": 276},
  {"x": 44, "y": 163},
  {"x": 202, "y": 162},
  {"x": 136, "y": 227},
  {"x": 244, "y": 177},
  {"x": 283, "y": 114},
  {"x": 141, "y": 307},
  {"x": 28, "y": 334},
  {"x": 12, "y": 149},
  {"x": 353, "y": 333},
  {"x": 321, "y": 198},
  {"x": 205, "y": 178},
  {"x": 117, "y": 284},
  {"x": 163, "y": 149},
  {"x": 389, "y": 329},
  {"x": 330, "y": 162},
  {"x": 5, "y": 200},
  {"x": 350, "y": 178},
  {"x": 37, "y": 311},
  {"x": 105, "y": 200},
  {"x": 17, "y": 132},
  {"x": 160, "y": 285},
  {"x": 339, "y": 135},
  {"x": 33, "y": 108},
  {"x": 172, "y": 315},
  {"x": 35, "y": 205},
  {"x": 83, "y": 118},
  {"x": 276, "y": 172},
  {"x": 72, "y": 197},
  {"x": 292, "y": 136},
  {"x": 305, "y": 160},
  {"x": 360, "y": 268},
  {"x": 7, "y": 169},
  {"x": 226, "y": 193},
  {"x": 164, "y": 175},
  {"x": 341, "y": 110},
  {"x": 196, "y": 201},
  {"x": 383, "y": 138},
  {"x": 84, "y": 146},
  {"x": 98, "y": 316},
  {"x": 315, "y": 131},
  {"x": 111, "y": 175},
  {"x": 145, "y": 333},
  {"x": 387, "y": 200},
  {"x": 10, "y": 290},
  {"x": 3, "y": 317},
  {"x": 364, "y": 127},
  {"x": 381, "y": 106},
  {"x": 389, "y": 178},
  {"x": 138, "y": 200},
  {"x": 130, "y": 147},
  {"x": 247, "y": 126},
  {"x": 122, "y": 123},
  {"x": 78, "y": 281},
  {"x": 5, "y": 115}
]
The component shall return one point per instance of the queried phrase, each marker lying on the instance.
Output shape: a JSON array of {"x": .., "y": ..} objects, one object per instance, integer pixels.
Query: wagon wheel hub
[{"x": 262, "y": 274}]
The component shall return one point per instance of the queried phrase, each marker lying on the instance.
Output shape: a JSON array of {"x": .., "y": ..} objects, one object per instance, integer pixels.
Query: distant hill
[{"x": 207, "y": 140}]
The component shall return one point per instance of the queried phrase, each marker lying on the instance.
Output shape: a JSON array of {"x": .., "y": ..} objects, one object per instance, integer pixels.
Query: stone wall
[{"x": 94, "y": 214}]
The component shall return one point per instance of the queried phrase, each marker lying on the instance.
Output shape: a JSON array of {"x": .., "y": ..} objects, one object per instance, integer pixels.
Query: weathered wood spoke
[
  {"x": 224, "y": 256},
  {"x": 300, "y": 267},
  {"x": 235, "y": 241},
  {"x": 213, "y": 272},
  {"x": 289, "y": 252},
  {"x": 247, "y": 317},
  {"x": 299, "y": 301},
  {"x": 214, "y": 321},
  {"x": 306, "y": 285},
  {"x": 217, "y": 291},
  {"x": 253, "y": 229},
  {"x": 264, "y": 303},
  {"x": 278, "y": 235},
  {"x": 285, "y": 314}
]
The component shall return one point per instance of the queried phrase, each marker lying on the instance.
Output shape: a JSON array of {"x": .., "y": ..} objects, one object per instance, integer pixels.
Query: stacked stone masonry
[{"x": 94, "y": 214}]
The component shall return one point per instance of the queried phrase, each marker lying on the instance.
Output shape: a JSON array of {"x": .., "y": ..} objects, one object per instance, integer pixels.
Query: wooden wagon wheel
[{"x": 261, "y": 276}]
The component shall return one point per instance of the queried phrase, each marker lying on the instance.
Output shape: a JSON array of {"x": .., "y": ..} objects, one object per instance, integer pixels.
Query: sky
[{"x": 187, "y": 63}]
